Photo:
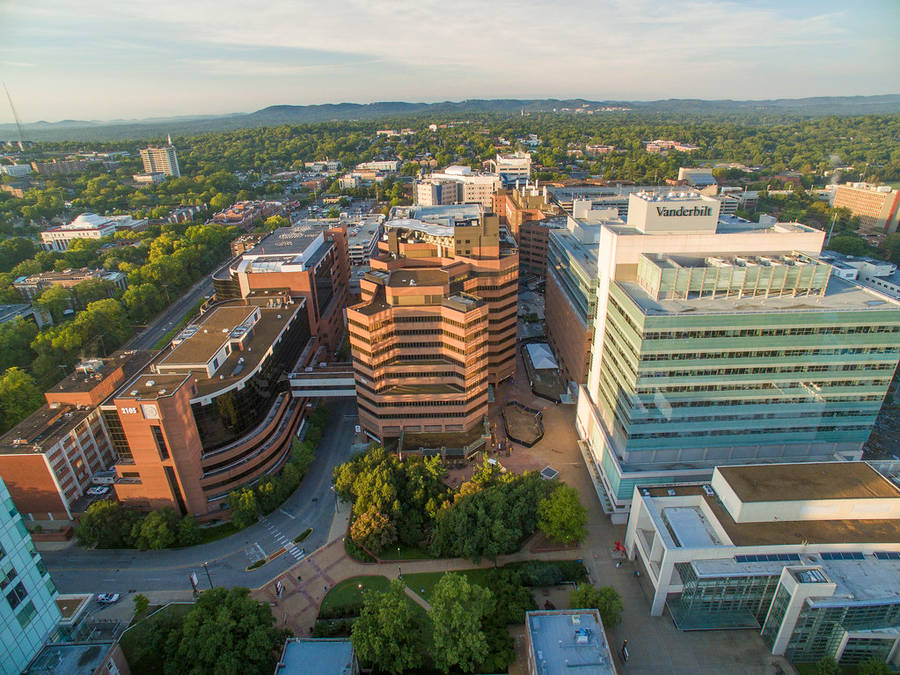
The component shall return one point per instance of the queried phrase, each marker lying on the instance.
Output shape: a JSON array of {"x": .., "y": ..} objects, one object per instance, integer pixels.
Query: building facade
[
  {"x": 88, "y": 226},
  {"x": 212, "y": 412},
  {"x": 436, "y": 325},
  {"x": 511, "y": 167},
  {"x": 33, "y": 285},
  {"x": 877, "y": 206},
  {"x": 308, "y": 261},
  {"x": 808, "y": 554},
  {"x": 162, "y": 160},
  {"x": 457, "y": 185},
  {"x": 712, "y": 339},
  {"x": 28, "y": 611}
]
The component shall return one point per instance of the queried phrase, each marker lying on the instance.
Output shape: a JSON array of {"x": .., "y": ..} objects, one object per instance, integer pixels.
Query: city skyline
[{"x": 170, "y": 59}]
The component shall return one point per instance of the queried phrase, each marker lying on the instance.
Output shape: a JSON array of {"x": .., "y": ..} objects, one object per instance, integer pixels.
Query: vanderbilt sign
[{"x": 682, "y": 211}]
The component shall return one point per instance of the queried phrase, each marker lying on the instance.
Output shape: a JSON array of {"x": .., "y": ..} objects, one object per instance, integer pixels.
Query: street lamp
[{"x": 209, "y": 578}]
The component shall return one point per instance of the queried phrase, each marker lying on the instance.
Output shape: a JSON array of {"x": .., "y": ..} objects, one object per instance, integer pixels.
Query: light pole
[{"x": 209, "y": 578}]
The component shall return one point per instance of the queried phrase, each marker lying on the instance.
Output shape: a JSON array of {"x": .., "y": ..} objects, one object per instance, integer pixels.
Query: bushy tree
[
  {"x": 458, "y": 613},
  {"x": 562, "y": 516},
  {"x": 226, "y": 632},
  {"x": 19, "y": 396},
  {"x": 244, "y": 507},
  {"x": 373, "y": 530},
  {"x": 874, "y": 666},
  {"x": 158, "y": 529},
  {"x": 141, "y": 603},
  {"x": 606, "y": 600},
  {"x": 389, "y": 634},
  {"x": 107, "y": 524}
]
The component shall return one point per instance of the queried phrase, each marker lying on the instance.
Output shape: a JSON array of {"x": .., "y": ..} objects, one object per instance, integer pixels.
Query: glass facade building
[{"x": 28, "y": 611}]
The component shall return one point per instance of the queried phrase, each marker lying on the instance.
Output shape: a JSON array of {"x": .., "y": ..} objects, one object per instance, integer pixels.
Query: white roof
[{"x": 541, "y": 356}]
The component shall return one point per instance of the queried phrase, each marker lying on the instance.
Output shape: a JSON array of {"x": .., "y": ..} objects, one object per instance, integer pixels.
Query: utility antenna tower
[{"x": 16, "y": 117}]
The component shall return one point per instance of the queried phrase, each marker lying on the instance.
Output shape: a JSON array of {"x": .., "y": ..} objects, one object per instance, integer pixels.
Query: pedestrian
[{"x": 625, "y": 651}]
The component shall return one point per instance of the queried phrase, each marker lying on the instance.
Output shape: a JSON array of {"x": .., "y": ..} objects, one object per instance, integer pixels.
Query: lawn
[
  {"x": 812, "y": 669},
  {"x": 348, "y": 592},
  {"x": 404, "y": 553},
  {"x": 214, "y": 532},
  {"x": 423, "y": 583},
  {"x": 139, "y": 634}
]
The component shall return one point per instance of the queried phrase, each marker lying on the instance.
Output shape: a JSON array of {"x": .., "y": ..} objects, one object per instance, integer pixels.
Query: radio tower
[{"x": 16, "y": 117}]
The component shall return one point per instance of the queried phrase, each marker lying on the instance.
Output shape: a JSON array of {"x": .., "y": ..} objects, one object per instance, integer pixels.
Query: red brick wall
[{"x": 31, "y": 485}]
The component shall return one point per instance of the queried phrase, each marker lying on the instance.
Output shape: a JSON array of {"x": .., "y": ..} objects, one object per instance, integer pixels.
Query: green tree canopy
[
  {"x": 561, "y": 515},
  {"x": 389, "y": 634},
  {"x": 19, "y": 395},
  {"x": 606, "y": 600},
  {"x": 107, "y": 524},
  {"x": 458, "y": 613}
]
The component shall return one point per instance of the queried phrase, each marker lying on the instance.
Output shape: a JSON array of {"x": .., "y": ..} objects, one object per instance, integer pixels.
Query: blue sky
[{"x": 101, "y": 59}]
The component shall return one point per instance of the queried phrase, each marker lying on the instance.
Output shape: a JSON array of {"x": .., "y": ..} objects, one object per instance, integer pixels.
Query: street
[{"x": 76, "y": 570}]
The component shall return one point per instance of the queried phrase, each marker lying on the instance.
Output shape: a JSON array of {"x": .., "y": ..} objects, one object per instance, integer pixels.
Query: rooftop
[
  {"x": 807, "y": 481},
  {"x": 70, "y": 658},
  {"x": 564, "y": 640},
  {"x": 213, "y": 330},
  {"x": 418, "y": 277},
  {"x": 41, "y": 429},
  {"x": 840, "y": 295},
  {"x": 323, "y": 656},
  {"x": 90, "y": 372}
]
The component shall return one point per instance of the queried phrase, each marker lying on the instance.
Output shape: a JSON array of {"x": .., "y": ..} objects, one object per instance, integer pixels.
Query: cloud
[{"x": 17, "y": 64}]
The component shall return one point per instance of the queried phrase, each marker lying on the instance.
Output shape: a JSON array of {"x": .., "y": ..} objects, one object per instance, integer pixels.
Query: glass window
[
  {"x": 7, "y": 574},
  {"x": 26, "y": 614},
  {"x": 16, "y": 595}
]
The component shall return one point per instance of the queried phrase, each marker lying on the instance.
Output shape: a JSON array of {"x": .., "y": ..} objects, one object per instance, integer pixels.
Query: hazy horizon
[{"x": 102, "y": 61}]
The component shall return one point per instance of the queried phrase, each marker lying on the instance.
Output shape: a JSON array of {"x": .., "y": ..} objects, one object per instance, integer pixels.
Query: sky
[{"x": 102, "y": 59}]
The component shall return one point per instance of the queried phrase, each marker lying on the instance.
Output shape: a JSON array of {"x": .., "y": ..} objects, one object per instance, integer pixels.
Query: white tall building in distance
[{"x": 162, "y": 160}]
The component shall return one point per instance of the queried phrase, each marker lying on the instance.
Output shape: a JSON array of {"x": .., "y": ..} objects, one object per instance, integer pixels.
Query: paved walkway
[{"x": 418, "y": 599}]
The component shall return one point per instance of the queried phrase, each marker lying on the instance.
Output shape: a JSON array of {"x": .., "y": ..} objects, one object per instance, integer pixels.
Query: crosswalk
[{"x": 289, "y": 546}]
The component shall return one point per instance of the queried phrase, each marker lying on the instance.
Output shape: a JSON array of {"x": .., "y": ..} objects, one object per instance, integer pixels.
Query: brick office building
[{"x": 436, "y": 325}]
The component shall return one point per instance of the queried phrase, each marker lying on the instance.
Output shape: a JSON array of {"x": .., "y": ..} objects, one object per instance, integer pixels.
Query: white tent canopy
[{"x": 541, "y": 356}]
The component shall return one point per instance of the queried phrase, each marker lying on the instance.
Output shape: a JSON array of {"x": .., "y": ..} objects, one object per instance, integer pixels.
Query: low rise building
[
  {"x": 184, "y": 214},
  {"x": 49, "y": 458},
  {"x": 457, "y": 185},
  {"x": 362, "y": 239},
  {"x": 15, "y": 170},
  {"x": 28, "y": 613},
  {"x": 60, "y": 167},
  {"x": 511, "y": 167},
  {"x": 881, "y": 275},
  {"x": 327, "y": 656},
  {"x": 558, "y": 641},
  {"x": 247, "y": 214},
  {"x": 663, "y": 146},
  {"x": 390, "y": 165},
  {"x": 88, "y": 226},
  {"x": 33, "y": 285},
  {"x": 808, "y": 554},
  {"x": 877, "y": 206}
]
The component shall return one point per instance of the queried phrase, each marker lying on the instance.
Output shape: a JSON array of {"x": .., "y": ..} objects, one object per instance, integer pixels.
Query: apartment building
[
  {"x": 808, "y": 554},
  {"x": 49, "y": 458},
  {"x": 211, "y": 412},
  {"x": 511, "y": 166},
  {"x": 60, "y": 167},
  {"x": 457, "y": 185},
  {"x": 88, "y": 226},
  {"x": 29, "y": 613},
  {"x": 436, "y": 326},
  {"x": 362, "y": 239},
  {"x": 162, "y": 160},
  {"x": 725, "y": 341},
  {"x": 877, "y": 206},
  {"x": 308, "y": 261}
]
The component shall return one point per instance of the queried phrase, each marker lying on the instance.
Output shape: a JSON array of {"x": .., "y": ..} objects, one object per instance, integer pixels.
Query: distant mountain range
[{"x": 299, "y": 114}]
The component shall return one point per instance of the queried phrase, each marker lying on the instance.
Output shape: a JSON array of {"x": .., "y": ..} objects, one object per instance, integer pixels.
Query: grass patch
[
  {"x": 258, "y": 563},
  {"x": 167, "y": 338},
  {"x": 303, "y": 535},
  {"x": 348, "y": 594},
  {"x": 214, "y": 532},
  {"x": 812, "y": 669},
  {"x": 404, "y": 553},
  {"x": 142, "y": 632}
]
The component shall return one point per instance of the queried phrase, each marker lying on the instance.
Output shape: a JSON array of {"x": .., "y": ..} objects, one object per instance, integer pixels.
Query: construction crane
[{"x": 16, "y": 117}]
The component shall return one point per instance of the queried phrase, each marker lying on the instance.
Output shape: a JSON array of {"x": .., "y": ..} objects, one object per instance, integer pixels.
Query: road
[
  {"x": 173, "y": 314},
  {"x": 76, "y": 570}
]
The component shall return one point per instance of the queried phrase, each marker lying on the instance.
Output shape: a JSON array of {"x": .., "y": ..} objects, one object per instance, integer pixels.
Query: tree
[
  {"x": 389, "y": 634},
  {"x": 106, "y": 524},
  {"x": 874, "y": 666},
  {"x": 561, "y": 515},
  {"x": 606, "y": 600},
  {"x": 219, "y": 201},
  {"x": 19, "y": 396},
  {"x": 226, "y": 632},
  {"x": 157, "y": 530},
  {"x": 188, "y": 532},
  {"x": 244, "y": 507},
  {"x": 16, "y": 337},
  {"x": 458, "y": 612},
  {"x": 373, "y": 530},
  {"x": 827, "y": 666},
  {"x": 274, "y": 222},
  {"x": 141, "y": 603},
  {"x": 56, "y": 300}
]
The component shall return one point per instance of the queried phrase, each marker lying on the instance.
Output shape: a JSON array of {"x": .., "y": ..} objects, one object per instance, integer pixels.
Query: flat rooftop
[
  {"x": 213, "y": 330},
  {"x": 70, "y": 658},
  {"x": 322, "y": 656},
  {"x": 42, "y": 428},
  {"x": 288, "y": 241},
  {"x": 90, "y": 372},
  {"x": 840, "y": 295},
  {"x": 567, "y": 640},
  {"x": 418, "y": 277},
  {"x": 783, "y": 532},
  {"x": 808, "y": 481}
]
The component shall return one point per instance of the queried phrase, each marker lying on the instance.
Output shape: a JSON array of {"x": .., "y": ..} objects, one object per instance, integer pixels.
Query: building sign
[
  {"x": 128, "y": 411},
  {"x": 682, "y": 211}
]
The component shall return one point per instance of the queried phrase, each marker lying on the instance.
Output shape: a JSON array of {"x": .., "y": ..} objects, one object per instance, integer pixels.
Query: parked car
[
  {"x": 98, "y": 490},
  {"x": 108, "y": 598}
]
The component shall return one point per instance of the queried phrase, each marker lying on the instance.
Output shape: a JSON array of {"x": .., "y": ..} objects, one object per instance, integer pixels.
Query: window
[
  {"x": 26, "y": 614},
  {"x": 161, "y": 446},
  {"x": 16, "y": 595},
  {"x": 41, "y": 567},
  {"x": 846, "y": 555},
  {"x": 7, "y": 574}
]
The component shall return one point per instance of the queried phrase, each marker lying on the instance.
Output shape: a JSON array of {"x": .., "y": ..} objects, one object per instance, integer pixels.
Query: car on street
[{"x": 108, "y": 598}]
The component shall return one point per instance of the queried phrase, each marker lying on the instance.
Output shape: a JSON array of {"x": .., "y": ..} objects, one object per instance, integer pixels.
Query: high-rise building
[
  {"x": 436, "y": 325},
  {"x": 457, "y": 185},
  {"x": 807, "y": 554},
  {"x": 511, "y": 166},
  {"x": 725, "y": 342},
  {"x": 28, "y": 611},
  {"x": 162, "y": 160},
  {"x": 877, "y": 206},
  {"x": 530, "y": 216}
]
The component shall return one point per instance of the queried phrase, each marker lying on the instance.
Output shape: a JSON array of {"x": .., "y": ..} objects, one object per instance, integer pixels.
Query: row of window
[
  {"x": 749, "y": 432},
  {"x": 817, "y": 368},
  {"x": 815, "y": 384},
  {"x": 768, "y": 332},
  {"x": 766, "y": 353},
  {"x": 425, "y": 403}
]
